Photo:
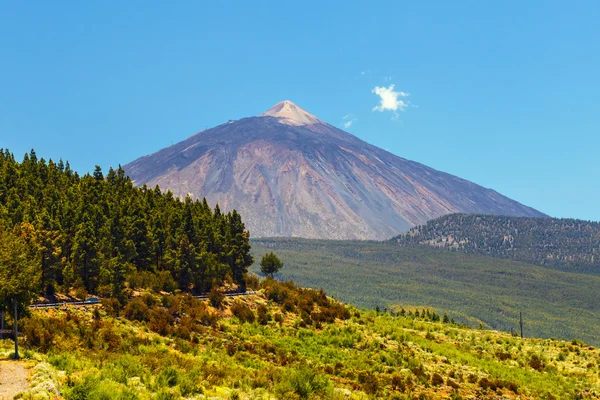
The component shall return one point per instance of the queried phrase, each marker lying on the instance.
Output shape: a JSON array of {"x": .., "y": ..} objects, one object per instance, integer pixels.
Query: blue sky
[{"x": 503, "y": 93}]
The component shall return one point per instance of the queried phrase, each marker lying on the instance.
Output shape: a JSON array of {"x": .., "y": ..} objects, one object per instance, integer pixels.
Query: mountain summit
[
  {"x": 290, "y": 114},
  {"x": 290, "y": 174}
]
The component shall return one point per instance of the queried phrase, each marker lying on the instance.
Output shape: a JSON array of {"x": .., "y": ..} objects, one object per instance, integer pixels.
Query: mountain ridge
[
  {"x": 291, "y": 174},
  {"x": 565, "y": 244}
]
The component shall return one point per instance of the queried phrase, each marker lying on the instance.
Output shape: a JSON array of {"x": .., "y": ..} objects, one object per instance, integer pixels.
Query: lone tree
[
  {"x": 19, "y": 276},
  {"x": 270, "y": 264}
]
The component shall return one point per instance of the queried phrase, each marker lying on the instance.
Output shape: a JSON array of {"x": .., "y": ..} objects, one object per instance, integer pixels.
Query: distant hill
[
  {"x": 565, "y": 244},
  {"x": 290, "y": 174},
  {"x": 469, "y": 287}
]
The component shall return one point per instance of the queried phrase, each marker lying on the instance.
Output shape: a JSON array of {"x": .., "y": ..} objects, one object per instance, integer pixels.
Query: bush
[
  {"x": 161, "y": 321},
  {"x": 111, "y": 306},
  {"x": 486, "y": 384},
  {"x": 64, "y": 362},
  {"x": 242, "y": 312},
  {"x": 452, "y": 384},
  {"x": 38, "y": 332},
  {"x": 263, "y": 316},
  {"x": 278, "y": 318},
  {"x": 202, "y": 314},
  {"x": 81, "y": 293},
  {"x": 168, "y": 377},
  {"x": 252, "y": 282},
  {"x": 216, "y": 297},
  {"x": 165, "y": 394},
  {"x": 398, "y": 383},
  {"x": 189, "y": 387},
  {"x": 306, "y": 382},
  {"x": 536, "y": 362},
  {"x": 137, "y": 310},
  {"x": 437, "y": 380},
  {"x": 368, "y": 382},
  {"x": 82, "y": 390}
]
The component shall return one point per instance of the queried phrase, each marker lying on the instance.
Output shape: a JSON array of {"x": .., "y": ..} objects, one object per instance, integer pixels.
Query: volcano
[{"x": 290, "y": 174}]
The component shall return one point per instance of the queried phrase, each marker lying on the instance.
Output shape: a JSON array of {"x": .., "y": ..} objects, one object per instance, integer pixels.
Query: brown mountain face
[{"x": 290, "y": 174}]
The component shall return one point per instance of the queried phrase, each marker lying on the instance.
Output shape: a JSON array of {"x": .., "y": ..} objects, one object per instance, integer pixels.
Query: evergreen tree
[
  {"x": 19, "y": 275},
  {"x": 93, "y": 231},
  {"x": 270, "y": 264}
]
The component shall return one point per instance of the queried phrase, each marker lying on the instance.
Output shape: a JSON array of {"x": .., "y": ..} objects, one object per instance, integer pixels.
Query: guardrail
[
  {"x": 83, "y": 303},
  {"x": 66, "y": 303},
  {"x": 206, "y": 296}
]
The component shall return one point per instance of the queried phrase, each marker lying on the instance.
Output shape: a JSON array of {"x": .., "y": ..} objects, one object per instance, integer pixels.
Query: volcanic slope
[{"x": 291, "y": 174}]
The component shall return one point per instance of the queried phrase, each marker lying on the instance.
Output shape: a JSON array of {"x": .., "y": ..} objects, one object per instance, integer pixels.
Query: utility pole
[
  {"x": 16, "y": 332},
  {"x": 521, "y": 323}
]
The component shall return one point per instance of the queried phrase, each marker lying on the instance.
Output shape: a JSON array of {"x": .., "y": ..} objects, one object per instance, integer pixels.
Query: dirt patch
[{"x": 13, "y": 378}]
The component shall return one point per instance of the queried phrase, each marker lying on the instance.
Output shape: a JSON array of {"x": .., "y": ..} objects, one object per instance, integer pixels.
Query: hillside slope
[
  {"x": 290, "y": 343},
  {"x": 472, "y": 288},
  {"x": 290, "y": 174},
  {"x": 565, "y": 244}
]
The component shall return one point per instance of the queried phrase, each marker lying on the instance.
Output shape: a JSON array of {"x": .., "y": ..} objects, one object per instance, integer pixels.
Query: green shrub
[
  {"x": 306, "y": 382},
  {"x": 64, "y": 362},
  {"x": 122, "y": 369},
  {"x": 161, "y": 321},
  {"x": 189, "y": 386},
  {"x": 536, "y": 362},
  {"x": 137, "y": 310},
  {"x": 216, "y": 297},
  {"x": 368, "y": 382},
  {"x": 165, "y": 394},
  {"x": 437, "y": 380},
  {"x": 111, "y": 306},
  {"x": 398, "y": 383},
  {"x": 167, "y": 377},
  {"x": 262, "y": 314},
  {"x": 242, "y": 312},
  {"x": 39, "y": 333},
  {"x": 83, "y": 389}
]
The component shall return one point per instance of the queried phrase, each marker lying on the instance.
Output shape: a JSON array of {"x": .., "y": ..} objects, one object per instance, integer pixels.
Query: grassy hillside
[
  {"x": 470, "y": 288},
  {"x": 289, "y": 343},
  {"x": 565, "y": 244}
]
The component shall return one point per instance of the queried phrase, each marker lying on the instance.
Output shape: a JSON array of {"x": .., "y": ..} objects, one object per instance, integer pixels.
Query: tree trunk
[
  {"x": 521, "y": 323},
  {"x": 16, "y": 333},
  {"x": 2, "y": 322}
]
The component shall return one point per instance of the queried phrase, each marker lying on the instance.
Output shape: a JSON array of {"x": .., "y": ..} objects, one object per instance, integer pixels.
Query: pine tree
[
  {"x": 270, "y": 264},
  {"x": 19, "y": 275},
  {"x": 93, "y": 231}
]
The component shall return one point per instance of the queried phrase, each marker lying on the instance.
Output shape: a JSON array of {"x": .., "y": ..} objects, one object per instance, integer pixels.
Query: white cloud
[
  {"x": 389, "y": 100},
  {"x": 350, "y": 119}
]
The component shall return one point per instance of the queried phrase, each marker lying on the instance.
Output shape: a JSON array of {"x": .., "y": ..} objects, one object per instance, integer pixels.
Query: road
[{"x": 13, "y": 378}]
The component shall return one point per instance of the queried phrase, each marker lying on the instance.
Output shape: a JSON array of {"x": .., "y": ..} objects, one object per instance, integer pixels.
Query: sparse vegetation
[
  {"x": 350, "y": 354},
  {"x": 471, "y": 289}
]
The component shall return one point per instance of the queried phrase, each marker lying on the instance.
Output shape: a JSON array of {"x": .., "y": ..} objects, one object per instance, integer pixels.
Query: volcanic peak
[{"x": 290, "y": 114}]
